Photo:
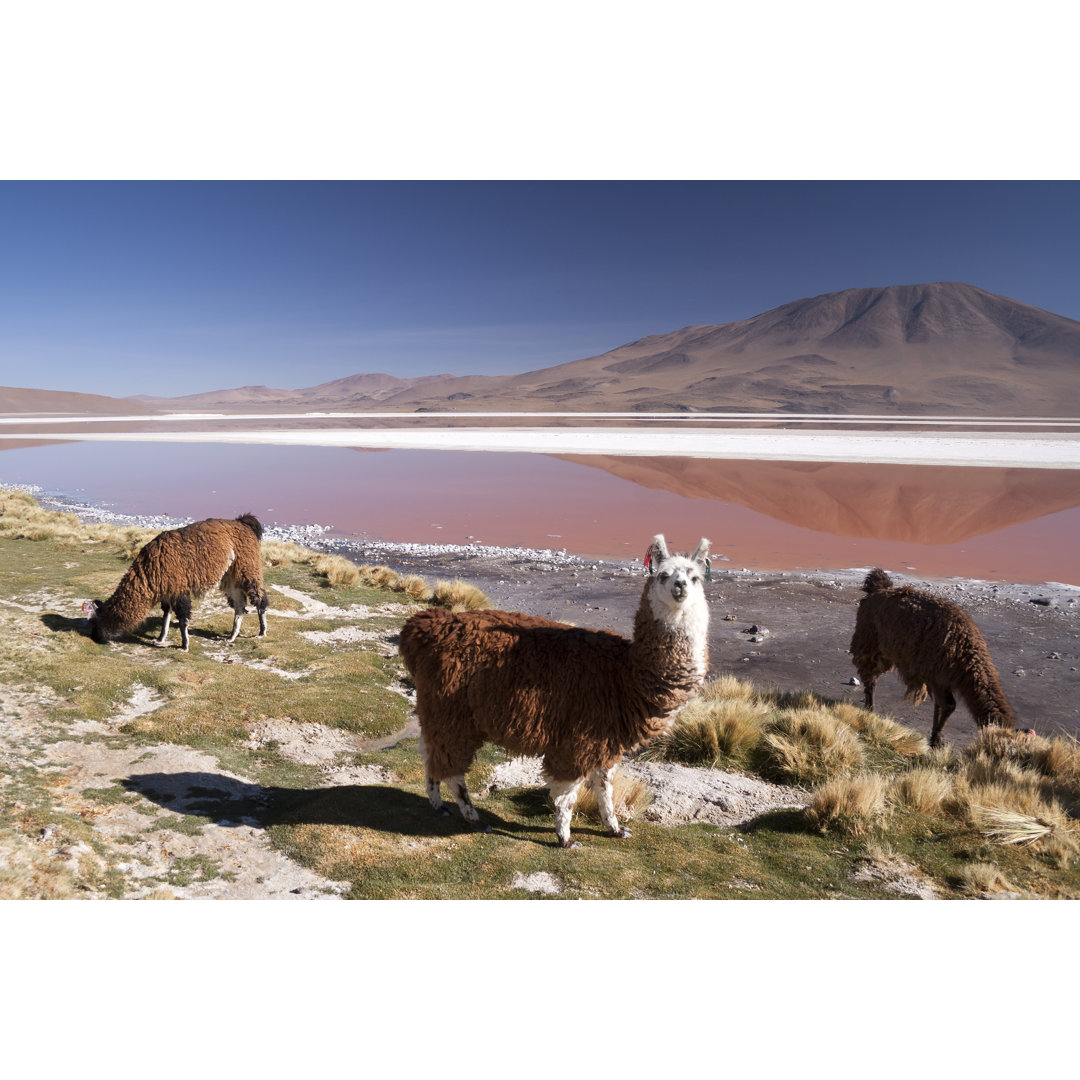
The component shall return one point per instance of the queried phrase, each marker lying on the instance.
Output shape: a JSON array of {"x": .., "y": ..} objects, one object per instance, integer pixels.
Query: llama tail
[
  {"x": 876, "y": 580},
  {"x": 252, "y": 522}
]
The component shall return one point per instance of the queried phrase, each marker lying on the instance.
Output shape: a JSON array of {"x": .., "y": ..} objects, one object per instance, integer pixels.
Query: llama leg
[
  {"x": 869, "y": 684},
  {"x": 564, "y": 795},
  {"x": 182, "y": 607},
  {"x": 261, "y": 602},
  {"x": 944, "y": 704},
  {"x": 166, "y": 615},
  {"x": 236, "y": 602},
  {"x": 433, "y": 793},
  {"x": 461, "y": 793},
  {"x": 601, "y": 784}
]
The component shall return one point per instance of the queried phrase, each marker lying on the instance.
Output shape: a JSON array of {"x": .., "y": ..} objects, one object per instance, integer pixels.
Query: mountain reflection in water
[{"x": 917, "y": 503}]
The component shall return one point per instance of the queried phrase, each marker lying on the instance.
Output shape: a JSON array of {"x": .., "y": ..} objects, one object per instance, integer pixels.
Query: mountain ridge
[{"x": 942, "y": 347}]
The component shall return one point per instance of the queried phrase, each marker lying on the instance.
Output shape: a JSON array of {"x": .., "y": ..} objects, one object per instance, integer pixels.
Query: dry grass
[
  {"x": 629, "y": 797},
  {"x": 982, "y": 878},
  {"x": 795, "y": 738},
  {"x": 30, "y": 873},
  {"x": 281, "y": 553},
  {"x": 336, "y": 569},
  {"x": 21, "y": 518},
  {"x": 712, "y": 730},
  {"x": 379, "y": 577},
  {"x": 923, "y": 789},
  {"x": 458, "y": 595},
  {"x": 852, "y": 805},
  {"x": 880, "y": 731},
  {"x": 809, "y": 746}
]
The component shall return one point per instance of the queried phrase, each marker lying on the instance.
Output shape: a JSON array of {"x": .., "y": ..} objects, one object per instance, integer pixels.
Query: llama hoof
[
  {"x": 481, "y": 826},
  {"x": 441, "y": 812},
  {"x": 622, "y": 833},
  {"x": 569, "y": 843},
  {"x": 161, "y": 643}
]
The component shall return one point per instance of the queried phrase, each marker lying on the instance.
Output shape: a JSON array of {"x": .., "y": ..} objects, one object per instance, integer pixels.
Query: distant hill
[
  {"x": 352, "y": 392},
  {"x": 16, "y": 399}
]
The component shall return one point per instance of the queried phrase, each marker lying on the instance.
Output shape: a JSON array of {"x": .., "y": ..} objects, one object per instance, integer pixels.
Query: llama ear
[
  {"x": 701, "y": 552},
  {"x": 658, "y": 551}
]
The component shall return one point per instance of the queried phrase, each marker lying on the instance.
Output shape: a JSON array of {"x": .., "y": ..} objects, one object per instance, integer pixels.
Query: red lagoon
[{"x": 1003, "y": 524}]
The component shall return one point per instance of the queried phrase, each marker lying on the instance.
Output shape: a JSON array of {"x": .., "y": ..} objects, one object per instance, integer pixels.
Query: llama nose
[{"x": 678, "y": 590}]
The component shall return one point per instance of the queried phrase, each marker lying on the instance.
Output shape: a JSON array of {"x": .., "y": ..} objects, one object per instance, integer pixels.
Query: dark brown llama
[
  {"x": 184, "y": 563},
  {"x": 935, "y": 647},
  {"x": 579, "y": 698}
]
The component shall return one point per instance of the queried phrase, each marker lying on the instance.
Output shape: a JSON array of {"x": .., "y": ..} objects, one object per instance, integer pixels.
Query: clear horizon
[{"x": 171, "y": 288}]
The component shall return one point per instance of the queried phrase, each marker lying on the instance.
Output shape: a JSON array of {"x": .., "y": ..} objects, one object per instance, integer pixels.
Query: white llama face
[{"x": 678, "y": 582}]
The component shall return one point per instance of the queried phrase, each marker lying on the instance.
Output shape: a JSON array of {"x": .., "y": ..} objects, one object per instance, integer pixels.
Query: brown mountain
[
  {"x": 353, "y": 392},
  {"x": 939, "y": 348},
  {"x": 944, "y": 347},
  {"x": 17, "y": 399}
]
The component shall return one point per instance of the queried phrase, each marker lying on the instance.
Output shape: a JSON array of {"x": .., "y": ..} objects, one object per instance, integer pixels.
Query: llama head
[
  {"x": 677, "y": 584},
  {"x": 91, "y": 609}
]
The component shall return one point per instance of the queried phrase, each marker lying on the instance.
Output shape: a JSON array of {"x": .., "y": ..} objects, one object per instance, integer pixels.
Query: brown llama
[
  {"x": 579, "y": 698},
  {"x": 935, "y": 648},
  {"x": 184, "y": 563}
]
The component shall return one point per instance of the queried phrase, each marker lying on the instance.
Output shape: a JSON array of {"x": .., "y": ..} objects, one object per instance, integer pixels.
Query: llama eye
[
  {"x": 696, "y": 580},
  {"x": 664, "y": 576}
]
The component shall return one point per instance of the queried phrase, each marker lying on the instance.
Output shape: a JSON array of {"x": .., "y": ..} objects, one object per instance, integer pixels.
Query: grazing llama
[
  {"x": 935, "y": 648},
  {"x": 182, "y": 563},
  {"x": 579, "y": 698}
]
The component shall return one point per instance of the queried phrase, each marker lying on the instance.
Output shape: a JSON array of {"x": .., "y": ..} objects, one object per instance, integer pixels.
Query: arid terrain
[{"x": 945, "y": 347}]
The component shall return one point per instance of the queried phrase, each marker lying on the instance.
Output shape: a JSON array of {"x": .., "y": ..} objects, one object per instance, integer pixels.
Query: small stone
[{"x": 853, "y": 681}]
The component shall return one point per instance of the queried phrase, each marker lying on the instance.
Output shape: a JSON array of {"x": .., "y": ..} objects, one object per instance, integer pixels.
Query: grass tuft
[
  {"x": 336, "y": 569},
  {"x": 458, "y": 595},
  {"x": 922, "y": 789},
  {"x": 982, "y": 879},
  {"x": 852, "y": 805},
  {"x": 809, "y": 746}
]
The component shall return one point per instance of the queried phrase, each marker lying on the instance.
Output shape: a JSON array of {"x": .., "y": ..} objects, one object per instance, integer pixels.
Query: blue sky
[{"x": 171, "y": 288}]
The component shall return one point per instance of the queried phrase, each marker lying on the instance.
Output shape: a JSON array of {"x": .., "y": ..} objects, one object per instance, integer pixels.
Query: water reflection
[
  {"x": 918, "y": 503},
  {"x": 1011, "y": 524}
]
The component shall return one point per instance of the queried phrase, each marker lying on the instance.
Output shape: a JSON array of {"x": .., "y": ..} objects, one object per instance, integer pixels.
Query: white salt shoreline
[{"x": 1000, "y": 449}]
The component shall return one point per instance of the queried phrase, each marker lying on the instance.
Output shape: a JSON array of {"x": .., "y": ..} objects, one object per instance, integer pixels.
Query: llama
[
  {"x": 182, "y": 563},
  {"x": 935, "y": 648},
  {"x": 579, "y": 698}
]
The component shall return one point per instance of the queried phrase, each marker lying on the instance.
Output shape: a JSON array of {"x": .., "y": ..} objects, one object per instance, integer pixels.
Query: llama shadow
[
  {"x": 778, "y": 821},
  {"x": 231, "y": 803},
  {"x": 61, "y": 624},
  {"x": 536, "y": 803}
]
